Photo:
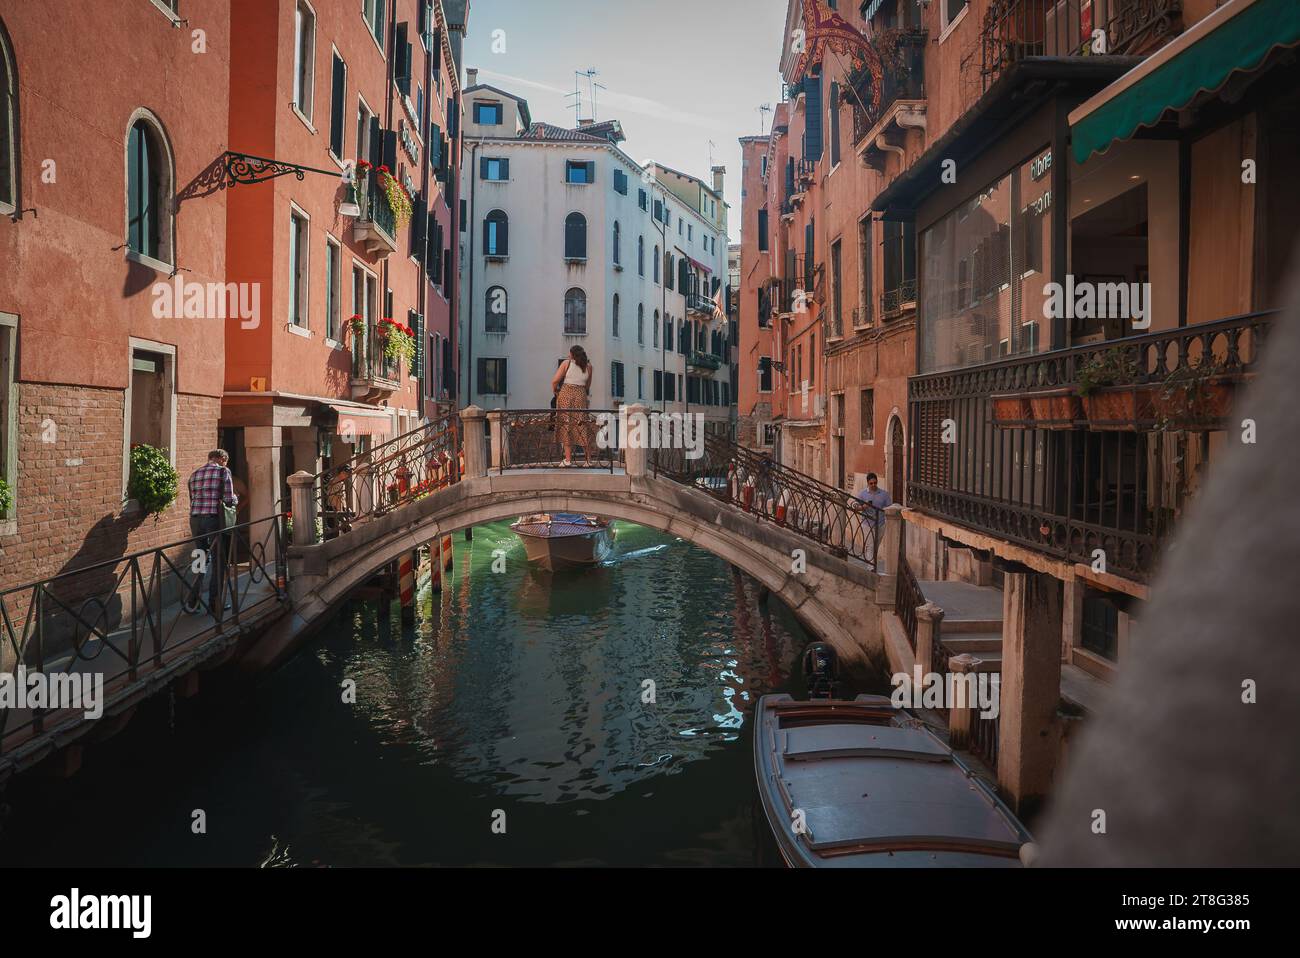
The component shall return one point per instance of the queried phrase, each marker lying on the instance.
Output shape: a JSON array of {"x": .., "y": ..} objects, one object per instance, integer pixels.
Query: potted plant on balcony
[
  {"x": 1112, "y": 396},
  {"x": 357, "y": 326},
  {"x": 1055, "y": 408},
  {"x": 398, "y": 340},
  {"x": 1194, "y": 397}
]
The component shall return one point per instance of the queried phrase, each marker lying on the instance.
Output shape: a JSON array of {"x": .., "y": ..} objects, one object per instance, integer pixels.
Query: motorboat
[
  {"x": 564, "y": 540},
  {"x": 864, "y": 784}
]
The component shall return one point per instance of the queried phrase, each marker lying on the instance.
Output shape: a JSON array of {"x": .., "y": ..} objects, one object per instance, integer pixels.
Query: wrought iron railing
[
  {"x": 534, "y": 438},
  {"x": 1015, "y": 30},
  {"x": 805, "y": 172},
  {"x": 123, "y": 618},
  {"x": 904, "y": 79},
  {"x": 893, "y": 300},
  {"x": 368, "y": 359},
  {"x": 376, "y": 209},
  {"x": 698, "y": 303},
  {"x": 908, "y": 595},
  {"x": 1059, "y": 488},
  {"x": 767, "y": 490},
  {"x": 984, "y": 735},
  {"x": 700, "y": 360},
  {"x": 392, "y": 474}
]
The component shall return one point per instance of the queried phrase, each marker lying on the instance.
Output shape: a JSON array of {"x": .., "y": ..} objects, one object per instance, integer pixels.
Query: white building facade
[{"x": 569, "y": 241}]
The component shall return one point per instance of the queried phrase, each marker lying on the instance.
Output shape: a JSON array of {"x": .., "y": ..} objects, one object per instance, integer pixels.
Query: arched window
[
  {"x": 618, "y": 254},
  {"x": 655, "y": 328},
  {"x": 640, "y": 324},
  {"x": 575, "y": 236},
  {"x": 496, "y": 234},
  {"x": 614, "y": 314},
  {"x": 148, "y": 190},
  {"x": 8, "y": 126},
  {"x": 575, "y": 312},
  {"x": 496, "y": 307},
  {"x": 640, "y": 255},
  {"x": 656, "y": 261}
]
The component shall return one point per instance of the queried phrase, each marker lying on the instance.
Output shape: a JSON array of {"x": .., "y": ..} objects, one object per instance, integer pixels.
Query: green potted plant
[
  {"x": 153, "y": 481},
  {"x": 1112, "y": 397},
  {"x": 399, "y": 340},
  {"x": 1194, "y": 397},
  {"x": 399, "y": 201},
  {"x": 6, "y": 497}
]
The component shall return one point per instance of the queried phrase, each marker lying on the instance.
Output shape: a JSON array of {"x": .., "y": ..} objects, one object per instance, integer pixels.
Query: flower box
[
  {"x": 1198, "y": 407},
  {"x": 1011, "y": 410},
  {"x": 1055, "y": 408},
  {"x": 1119, "y": 407}
]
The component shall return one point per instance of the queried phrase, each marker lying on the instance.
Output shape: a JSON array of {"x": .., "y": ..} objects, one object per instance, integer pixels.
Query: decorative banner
[{"x": 823, "y": 29}]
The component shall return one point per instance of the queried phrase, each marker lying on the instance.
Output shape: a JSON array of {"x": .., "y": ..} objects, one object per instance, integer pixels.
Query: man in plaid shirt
[{"x": 210, "y": 486}]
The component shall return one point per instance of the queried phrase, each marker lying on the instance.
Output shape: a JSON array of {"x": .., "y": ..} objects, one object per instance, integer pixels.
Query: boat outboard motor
[{"x": 821, "y": 669}]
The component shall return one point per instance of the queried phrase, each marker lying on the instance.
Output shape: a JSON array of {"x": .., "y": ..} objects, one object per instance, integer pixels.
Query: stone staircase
[{"x": 972, "y": 619}]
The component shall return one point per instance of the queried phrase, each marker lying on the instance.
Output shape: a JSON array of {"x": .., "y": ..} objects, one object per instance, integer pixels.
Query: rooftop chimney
[
  {"x": 585, "y": 122},
  {"x": 718, "y": 173},
  {"x": 471, "y": 76}
]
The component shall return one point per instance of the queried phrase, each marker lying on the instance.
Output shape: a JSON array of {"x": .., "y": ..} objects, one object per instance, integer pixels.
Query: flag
[
  {"x": 825, "y": 29},
  {"x": 719, "y": 312}
]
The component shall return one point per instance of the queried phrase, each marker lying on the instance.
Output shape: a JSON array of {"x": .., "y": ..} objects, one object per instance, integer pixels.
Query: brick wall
[{"x": 70, "y": 512}]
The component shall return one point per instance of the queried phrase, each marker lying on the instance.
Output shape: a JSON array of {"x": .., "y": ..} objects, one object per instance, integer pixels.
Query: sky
[{"x": 677, "y": 73}]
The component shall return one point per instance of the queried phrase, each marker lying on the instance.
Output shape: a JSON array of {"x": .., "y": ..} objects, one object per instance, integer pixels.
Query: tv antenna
[
  {"x": 763, "y": 110},
  {"x": 592, "y": 86}
]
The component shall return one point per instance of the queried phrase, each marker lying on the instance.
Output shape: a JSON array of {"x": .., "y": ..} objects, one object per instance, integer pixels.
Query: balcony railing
[
  {"x": 1062, "y": 483},
  {"x": 698, "y": 303},
  {"x": 1015, "y": 30},
  {"x": 904, "y": 79},
  {"x": 702, "y": 360},
  {"x": 369, "y": 361},
  {"x": 376, "y": 227},
  {"x": 805, "y": 173},
  {"x": 893, "y": 300}
]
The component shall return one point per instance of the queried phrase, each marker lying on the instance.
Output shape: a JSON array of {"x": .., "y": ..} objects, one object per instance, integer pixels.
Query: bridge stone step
[{"x": 976, "y": 643}]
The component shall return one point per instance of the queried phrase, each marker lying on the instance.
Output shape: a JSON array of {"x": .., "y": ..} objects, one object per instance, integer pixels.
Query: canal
[{"x": 599, "y": 718}]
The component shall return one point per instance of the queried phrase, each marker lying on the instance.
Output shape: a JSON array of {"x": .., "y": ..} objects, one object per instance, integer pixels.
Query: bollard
[
  {"x": 406, "y": 587},
  {"x": 302, "y": 503}
]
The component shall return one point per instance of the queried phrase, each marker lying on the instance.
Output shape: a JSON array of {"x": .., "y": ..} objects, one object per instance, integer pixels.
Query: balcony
[
  {"x": 1079, "y": 464},
  {"x": 700, "y": 304},
  {"x": 878, "y": 128},
  {"x": 376, "y": 227},
  {"x": 1015, "y": 30},
  {"x": 894, "y": 302},
  {"x": 375, "y": 377},
  {"x": 709, "y": 361},
  {"x": 862, "y": 317},
  {"x": 805, "y": 174}
]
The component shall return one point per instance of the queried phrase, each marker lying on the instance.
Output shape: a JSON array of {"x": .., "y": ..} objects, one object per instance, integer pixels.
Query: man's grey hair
[{"x": 218, "y": 454}]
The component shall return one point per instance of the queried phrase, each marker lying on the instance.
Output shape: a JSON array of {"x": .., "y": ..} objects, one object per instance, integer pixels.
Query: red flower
[{"x": 384, "y": 169}]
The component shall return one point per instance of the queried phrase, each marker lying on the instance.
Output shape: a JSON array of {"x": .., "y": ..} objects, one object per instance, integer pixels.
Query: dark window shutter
[
  {"x": 390, "y": 151},
  {"x": 464, "y": 207},
  {"x": 483, "y": 168},
  {"x": 435, "y": 46},
  {"x": 376, "y": 141},
  {"x": 338, "y": 98},
  {"x": 505, "y": 169},
  {"x": 418, "y": 225},
  {"x": 435, "y": 146},
  {"x": 446, "y": 269},
  {"x": 812, "y": 146},
  {"x": 402, "y": 60},
  {"x": 415, "y": 321},
  {"x": 482, "y": 376}
]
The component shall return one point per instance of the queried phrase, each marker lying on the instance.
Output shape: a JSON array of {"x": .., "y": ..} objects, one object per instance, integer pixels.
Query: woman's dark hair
[{"x": 579, "y": 356}]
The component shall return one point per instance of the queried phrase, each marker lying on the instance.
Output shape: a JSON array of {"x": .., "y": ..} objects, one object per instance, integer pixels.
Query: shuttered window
[{"x": 338, "y": 96}]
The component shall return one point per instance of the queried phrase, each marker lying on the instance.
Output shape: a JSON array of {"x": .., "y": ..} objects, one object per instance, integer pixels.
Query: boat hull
[
  {"x": 557, "y": 546},
  {"x": 862, "y": 784}
]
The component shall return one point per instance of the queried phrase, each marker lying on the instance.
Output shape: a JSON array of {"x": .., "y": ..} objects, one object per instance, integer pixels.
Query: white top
[{"x": 574, "y": 376}]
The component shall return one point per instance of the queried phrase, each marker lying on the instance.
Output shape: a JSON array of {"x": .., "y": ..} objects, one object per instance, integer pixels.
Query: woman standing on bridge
[{"x": 572, "y": 387}]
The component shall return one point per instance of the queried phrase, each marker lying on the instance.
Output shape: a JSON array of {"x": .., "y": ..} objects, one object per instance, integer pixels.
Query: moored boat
[
  {"x": 863, "y": 784},
  {"x": 564, "y": 540}
]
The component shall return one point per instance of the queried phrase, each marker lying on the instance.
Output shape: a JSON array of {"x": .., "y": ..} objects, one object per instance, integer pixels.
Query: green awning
[{"x": 1237, "y": 36}]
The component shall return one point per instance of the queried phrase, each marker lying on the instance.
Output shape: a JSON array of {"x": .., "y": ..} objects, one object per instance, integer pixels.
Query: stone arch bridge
[{"x": 822, "y": 552}]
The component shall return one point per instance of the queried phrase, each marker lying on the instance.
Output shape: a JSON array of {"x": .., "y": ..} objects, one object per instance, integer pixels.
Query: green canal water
[{"x": 516, "y": 701}]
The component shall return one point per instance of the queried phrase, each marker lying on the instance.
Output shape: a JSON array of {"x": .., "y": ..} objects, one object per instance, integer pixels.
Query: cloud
[{"x": 618, "y": 102}]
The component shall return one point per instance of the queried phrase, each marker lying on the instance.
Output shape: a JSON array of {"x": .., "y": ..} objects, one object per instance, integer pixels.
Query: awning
[
  {"x": 1237, "y": 37},
  {"x": 362, "y": 421}
]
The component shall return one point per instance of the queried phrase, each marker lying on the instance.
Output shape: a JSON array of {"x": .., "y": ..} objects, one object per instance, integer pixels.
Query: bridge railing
[
  {"x": 392, "y": 474},
  {"x": 533, "y": 438},
  {"x": 128, "y": 616},
  {"x": 765, "y": 489}
]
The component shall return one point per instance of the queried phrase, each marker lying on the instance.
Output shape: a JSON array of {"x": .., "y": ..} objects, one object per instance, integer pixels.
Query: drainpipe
[{"x": 469, "y": 287}]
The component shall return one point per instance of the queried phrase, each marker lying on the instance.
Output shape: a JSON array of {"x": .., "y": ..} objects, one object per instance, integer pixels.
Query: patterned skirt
[{"x": 574, "y": 428}]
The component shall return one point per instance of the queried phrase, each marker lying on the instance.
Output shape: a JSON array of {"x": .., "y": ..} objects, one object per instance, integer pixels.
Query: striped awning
[{"x": 1238, "y": 37}]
